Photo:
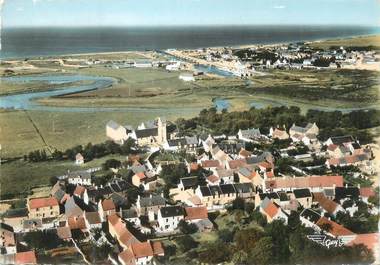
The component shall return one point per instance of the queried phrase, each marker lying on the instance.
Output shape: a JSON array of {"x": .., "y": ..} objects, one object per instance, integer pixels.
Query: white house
[
  {"x": 79, "y": 178},
  {"x": 168, "y": 218}
]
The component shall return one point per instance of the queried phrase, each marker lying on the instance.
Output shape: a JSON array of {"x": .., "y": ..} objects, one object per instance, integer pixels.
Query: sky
[{"x": 36, "y": 13}]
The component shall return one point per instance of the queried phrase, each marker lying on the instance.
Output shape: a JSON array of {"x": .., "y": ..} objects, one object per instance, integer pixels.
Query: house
[
  {"x": 249, "y": 135},
  {"x": 7, "y": 239},
  {"x": 244, "y": 153},
  {"x": 92, "y": 220},
  {"x": 58, "y": 191},
  {"x": 332, "y": 228},
  {"x": 15, "y": 218},
  {"x": 188, "y": 183},
  {"x": 226, "y": 175},
  {"x": 81, "y": 192},
  {"x": 28, "y": 257},
  {"x": 118, "y": 230},
  {"x": 141, "y": 253},
  {"x": 131, "y": 216},
  {"x": 273, "y": 196},
  {"x": 314, "y": 183},
  {"x": 244, "y": 190},
  {"x": 278, "y": 134},
  {"x": 310, "y": 129},
  {"x": 74, "y": 207},
  {"x": 211, "y": 164},
  {"x": 309, "y": 217},
  {"x": 345, "y": 193},
  {"x": 106, "y": 207},
  {"x": 212, "y": 180},
  {"x": 79, "y": 178},
  {"x": 77, "y": 223},
  {"x": 146, "y": 179},
  {"x": 168, "y": 218},
  {"x": 150, "y": 204},
  {"x": 366, "y": 193},
  {"x": 272, "y": 211},
  {"x": 199, "y": 217},
  {"x": 340, "y": 140},
  {"x": 235, "y": 164},
  {"x": 303, "y": 196},
  {"x": 64, "y": 233},
  {"x": 47, "y": 207},
  {"x": 207, "y": 143},
  {"x": 188, "y": 143},
  {"x": 116, "y": 132},
  {"x": 326, "y": 204},
  {"x": 79, "y": 159}
]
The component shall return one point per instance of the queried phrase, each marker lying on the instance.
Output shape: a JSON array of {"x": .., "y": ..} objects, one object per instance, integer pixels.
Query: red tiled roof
[
  {"x": 369, "y": 240},
  {"x": 193, "y": 213},
  {"x": 265, "y": 165},
  {"x": 210, "y": 163},
  {"x": 141, "y": 250},
  {"x": 76, "y": 222},
  {"x": 332, "y": 147},
  {"x": 79, "y": 190},
  {"x": 306, "y": 182},
  {"x": 278, "y": 133},
  {"x": 108, "y": 205},
  {"x": 213, "y": 178},
  {"x": 271, "y": 209},
  {"x": 270, "y": 174},
  {"x": 28, "y": 257},
  {"x": 127, "y": 257},
  {"x": 141, "y": 175},
  {"x": 64, "y": 232},
  {"x": 157, "y": 248},
  {"x": 195, "y": 200},
  {"x": 244, "y": 153},
  {"x": 237, "y": 163},
  {"x": 367, "y": 192},
  {"x": 42, "y": 202},
  {"x": 327, "y": 204},
  {"x": 127, "y": 238},
  {"x": 194, "y": 167},
  {"x": 336, "y": 229}
]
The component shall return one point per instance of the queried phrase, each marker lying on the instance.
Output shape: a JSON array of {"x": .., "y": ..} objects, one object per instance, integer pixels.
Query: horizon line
[{"x": 190, "y": 25}]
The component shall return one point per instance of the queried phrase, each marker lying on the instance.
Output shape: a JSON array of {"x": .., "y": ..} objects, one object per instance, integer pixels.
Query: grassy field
[
  {"x": 62, "y": 130},
  {"x": 20, "y": 177},
  {"x": 363, "y": 41}
]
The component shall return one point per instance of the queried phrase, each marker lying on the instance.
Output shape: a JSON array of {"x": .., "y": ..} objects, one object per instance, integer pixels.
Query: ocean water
[{"x": 28, "y": 42}]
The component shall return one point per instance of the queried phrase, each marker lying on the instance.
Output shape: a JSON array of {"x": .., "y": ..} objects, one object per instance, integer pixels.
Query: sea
[{"x": 32, "y": 42}]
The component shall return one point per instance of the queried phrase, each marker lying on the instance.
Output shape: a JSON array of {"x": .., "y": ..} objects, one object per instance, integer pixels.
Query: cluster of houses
[{"x": 222, "y": 172}]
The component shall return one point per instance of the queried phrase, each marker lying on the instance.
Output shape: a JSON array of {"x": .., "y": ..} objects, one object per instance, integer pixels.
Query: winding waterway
[{"x": 28, "y": 100}]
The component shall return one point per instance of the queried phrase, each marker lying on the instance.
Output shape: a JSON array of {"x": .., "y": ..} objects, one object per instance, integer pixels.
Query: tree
[
  {"x": 246, "y": 239},
  {"x": 187, "y": 228},
  {"x": 238, "y": 204},
  {"x": 111, "y": 163},
  {"x": 215, "y": 253},
  {"x": 262, "y": 253},
  {"x": 42, "y": 240},
  {"x": 186, "y": 243}
]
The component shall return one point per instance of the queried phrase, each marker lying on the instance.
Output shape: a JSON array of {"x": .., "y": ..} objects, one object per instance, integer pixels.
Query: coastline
[{"x": 239, "y": 46}]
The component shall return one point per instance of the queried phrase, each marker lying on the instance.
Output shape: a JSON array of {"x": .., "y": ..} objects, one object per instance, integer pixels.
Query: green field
[
  {"x": 19, "y": 177},
  {"x": 63, "y": 130},
  {"x": 363, "y": 41}
]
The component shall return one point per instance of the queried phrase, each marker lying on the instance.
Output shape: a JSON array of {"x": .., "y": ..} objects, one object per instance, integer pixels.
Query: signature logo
[{"x": 326, "y": 241}]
